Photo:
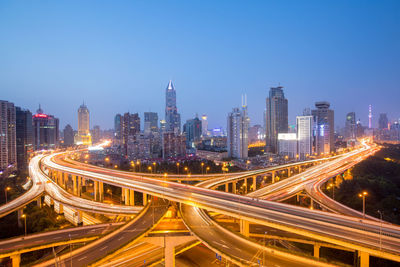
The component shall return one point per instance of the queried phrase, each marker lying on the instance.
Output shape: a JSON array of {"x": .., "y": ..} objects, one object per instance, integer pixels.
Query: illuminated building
[
  {"x": 150, "y": 122},
  {"x": 83, "y": 136},
  {"x": 323, "y": 128},
  {"x": 287, "y": 144},
  {"x": 256, "y": 134},
  {"x": 238, "y": 126},
  {"x": 96, "y": 134},
  {"x": 204, "y": 125},
  {"x": 350, "y": 126},
  {"x": 68, "y": 136},
  {"x": 173, "y": 145},
  {"x": 8, "y": 147},
  {"x": 192, "y": 129},
  {"x": 304, "y": 126},
  {"x": 276, "y": 117},
  {"x": 172, "y": 117},
  {"x": 117, "y": 128},
  {"x": 24, "y": 136},
  {"x": 45, "y": 130},
  {"x": 126, "y": 126}
]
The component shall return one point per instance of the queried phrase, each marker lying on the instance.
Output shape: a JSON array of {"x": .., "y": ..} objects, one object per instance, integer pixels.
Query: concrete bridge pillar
[
  {"x": 254, "y": 183},
  {"x": 39, "y": 201},
  {"x": 245, "y": 185},
  {"x": 131, "y": 197},
  {"x": 312, "y": 204},
  {"x": 126, "y": 196},
  {"x": 16, "y": 260},
  {"x": 289, "y": 172},
  {"x": 144, "y": 199},
  {"x": 364, "y": 259},
  {"x": 227, "y": 187},
  {"x": 59, "y": 208},
  {"x": 316, "y": 250},
  {"x": 244, "y": 227},
  {"x": 79, "y": 220},
  {"x": 273, "y": 177},
  {"x": 20, "y": 212},
  {"x": 101, "y": 191},
  {"x": 79, "y": 182},
  {"x": 234, "y": 187},
  {"x": 74, "y": 185}
]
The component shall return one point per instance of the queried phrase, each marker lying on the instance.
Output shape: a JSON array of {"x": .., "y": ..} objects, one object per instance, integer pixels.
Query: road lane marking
[
  {"x": 82, "y": 258},
  {"x": 120, "y": 238},
  {"x": 103, "y": 248}
]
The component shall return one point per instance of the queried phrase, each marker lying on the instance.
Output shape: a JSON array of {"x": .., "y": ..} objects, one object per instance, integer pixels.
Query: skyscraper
[
  {"x": 84, "y": 125},
  {"x": 117, "y": 128},
  {"x": 276, "y": 117},
  {"x": 96, "y": 134},
  {"x": 192, "y": 129},
  {"x": 204, "y": 125},
  {"x": 323, "y": 128},
  {"x": 8, "y": 147},
  {"x": 350, "y": 126},
  {"x": 305, "y": 126},
  {"x": 383, "y": 121},
  {"x": 238, "y": 126},
  {"x": 129, "y": 126},
  {"x": 24, "y": 136},
  {"x": 172, "y": 117},
  {"x": 150, "y": 122},
  {"x": 45, "y": 130},
  {"x": 68, "y": 135}
]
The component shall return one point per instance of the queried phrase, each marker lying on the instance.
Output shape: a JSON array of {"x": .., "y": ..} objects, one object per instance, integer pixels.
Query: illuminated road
[
  {"x": 103, "y": 246},
  {"x": 33, "y": 193},
  {"x": 342, "y": 230}
]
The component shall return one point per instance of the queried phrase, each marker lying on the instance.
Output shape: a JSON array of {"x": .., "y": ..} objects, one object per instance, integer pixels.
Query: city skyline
[{"x": 334, "y": 60}]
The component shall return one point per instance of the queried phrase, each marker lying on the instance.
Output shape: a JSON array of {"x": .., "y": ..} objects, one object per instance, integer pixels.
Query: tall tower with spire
[
  {"x": 84, "y": 125},
  {"x": 172, "y": 117}
]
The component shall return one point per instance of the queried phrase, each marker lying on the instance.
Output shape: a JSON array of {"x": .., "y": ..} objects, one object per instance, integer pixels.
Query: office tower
[
  {"x": 24, "y": 136},
  {"x": 350, "y": 126},
  {"x": 8, "y": 146},
  {"x": 173, "y": 145},
  {"x": 304, "y": 126},
  {"x": 238, "y": 126},
  {"x": 150, "y": 122},
  {"x": 287, "y": 144},
  {"x": 204, "y": 125},
  {"x": 96, "y": 134},
  {"x": 68, "y": 136},
  {"x": 383, "y": 121},
  {"x": 323, "y": 128},
  {"x": 192, "y": 129},
  {"x": 45, "y": 130},
  {"x": 117, "y": 128},
  {"x": 256, "y": 134},
  {"x": 84, "y": 136},
  {"x": 276, "y": 117},
  {"x": 172, "y": 117}
]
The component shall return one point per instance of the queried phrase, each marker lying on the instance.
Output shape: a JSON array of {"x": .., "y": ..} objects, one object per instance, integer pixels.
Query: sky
[{"x": 118, "y": 56}]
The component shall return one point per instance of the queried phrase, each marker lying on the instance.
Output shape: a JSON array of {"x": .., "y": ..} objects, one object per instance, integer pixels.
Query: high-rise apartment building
[
  {"x": 238, "y": 126},
  {"x": 24, "y": 136},
  {"x": 8, "y": 147},
  {"x": 84, "y": 136},
  {"x": 126, "y": 126},
  {"x": 96, "y": 134},
  {"x": 204, "y": 125},
  {"x": 45, "y": 130},
  {"x": 172, "y": 117},
  {"x": 173, "y": 145},
  {"x": 323, "y": 128},
  {"x": 304, "y": 126},
  {"x": 150, "y": 122},
  {"x": 68, "y": 136},
  {"x": 287, "y": 144},
  {"x": 192, "y": 129},
  {"x": 383, "y": 121},
  {"x": 276, "y": 117},
  {"x": 118, "y": 129},
  {"x": 350, "y": 126}
]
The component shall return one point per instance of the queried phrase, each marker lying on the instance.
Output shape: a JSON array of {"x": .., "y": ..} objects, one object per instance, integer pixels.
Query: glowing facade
[{"x": 84, "y": 136}]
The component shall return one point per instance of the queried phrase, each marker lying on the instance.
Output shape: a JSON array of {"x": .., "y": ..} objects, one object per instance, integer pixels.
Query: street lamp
[
  {"x": 207, "y": 169},
  {"x": 24, "y": 216},
  {"x": 363, "y": 195},
  {"x": 155, "y": 167},
  {"x": 177, "y": 168},
  {"x": 333, "y": 190},
  {"x": 150, "y": 169},
  {"x": 6, "y": 190},
  {"x": 138, "y": 163},
  {"x": 202, "y": 168}
]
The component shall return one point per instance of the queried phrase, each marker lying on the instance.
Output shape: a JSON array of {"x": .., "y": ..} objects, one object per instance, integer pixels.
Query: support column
[
  {"x": 16, "y": 260},
  {"x": 364, "y": 259},
  {"x": 79, "y": 185},
  {"x": 144, "y": 199},
  {"x": 96, "y": 190},
  {"x": 126, "y": 196},
  {"x": 74, "y": 185},
  {"x": 254, "y": 183},
  {"x": 79, "y": 220},
  {"x": 288, "y": 172},
  {"x": 60, "y": 208},
  {"x": 273, "y": 177},
  {"x": 312, "y": 204},
  {"x": 20, "y": 212},
  {"x": 169, "y": 252},
  {"x": 316, "y": 251},
  {"x": 227, "y": 187},
  {"x": 39, "y": 201},
  {"x": 244, "y": 227},
  {"x": 234, "y": 187},
  {"x": 245, "y": 185},
  {"x": 131, "y": 197},
  {"x": 101, "y": 191}
]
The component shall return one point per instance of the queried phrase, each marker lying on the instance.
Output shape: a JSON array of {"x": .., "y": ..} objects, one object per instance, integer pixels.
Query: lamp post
[
  {"x": 202, "y": 168},
  {"x": 155, "y": 167},
  {"x": 24, "y": 216},
  {"x": 333, "y": 190},
  {"x": 380, "y": 229},
  {"x": 6, "y": 190},
  {"x": 138, "y": 163},
  {"x": 207, "y": 169},
  {"x": 363, "y": 195},
  {"x": 177, "y": 167},
  {"x": 150, "y": 169}
]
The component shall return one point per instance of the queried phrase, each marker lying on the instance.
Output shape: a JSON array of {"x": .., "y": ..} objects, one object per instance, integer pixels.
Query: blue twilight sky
[{"x": 118, "y": 56}]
